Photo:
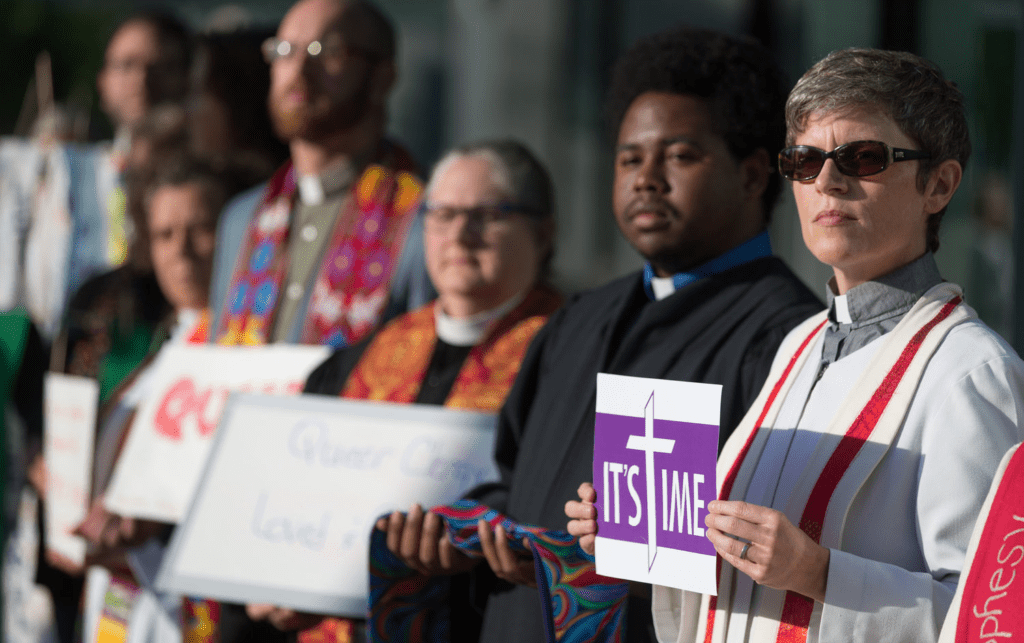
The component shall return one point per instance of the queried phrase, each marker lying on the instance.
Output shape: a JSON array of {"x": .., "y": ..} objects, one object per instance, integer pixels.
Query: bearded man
[{"x": 311, "y": 256}]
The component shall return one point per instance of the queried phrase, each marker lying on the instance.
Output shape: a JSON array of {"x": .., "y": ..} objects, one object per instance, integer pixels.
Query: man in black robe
[{"x": 699, "y": 119}]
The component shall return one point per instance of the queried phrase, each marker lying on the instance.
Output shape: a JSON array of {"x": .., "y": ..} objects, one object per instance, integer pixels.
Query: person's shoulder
[
  {"x": 245, "y": 202},
  {"x": 582, "y": 314},
  {"x": 972, "y": 344},
  {"x": 102, "y": 285},
  {"x": 605, "y": 295},
  {"x": 784, "y": 284},
  {"x": 775, "y": 297}
]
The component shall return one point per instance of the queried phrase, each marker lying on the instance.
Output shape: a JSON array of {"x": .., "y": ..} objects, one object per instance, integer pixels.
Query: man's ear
[
  {"x": 755, "y": 170},
  {"x": 382, "y": 80},
  {"x": 941, "y": 185}
]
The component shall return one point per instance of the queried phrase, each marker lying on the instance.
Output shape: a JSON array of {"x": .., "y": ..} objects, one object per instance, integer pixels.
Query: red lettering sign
[
  {"x": 992, "y": 606},
  {"x": 185, "y": 400}
]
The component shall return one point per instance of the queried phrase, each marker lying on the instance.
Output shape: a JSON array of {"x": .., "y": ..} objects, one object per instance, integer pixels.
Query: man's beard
[{"x": 319, "y": 118}]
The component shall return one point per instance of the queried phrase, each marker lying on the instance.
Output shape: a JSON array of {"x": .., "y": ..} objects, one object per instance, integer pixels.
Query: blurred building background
[{"x": 537, "y": 70}]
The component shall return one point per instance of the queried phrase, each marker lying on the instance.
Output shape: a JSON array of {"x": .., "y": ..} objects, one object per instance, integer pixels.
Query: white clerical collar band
[
  {"x": 756, "y": 247},
  {"x": 315, "y": 189},
  {"x": 842, "y": 308},
  {"x": 311, "y": 191},
  {"x": 470, "y": 331},
  {"x": 662, "y": 287}
]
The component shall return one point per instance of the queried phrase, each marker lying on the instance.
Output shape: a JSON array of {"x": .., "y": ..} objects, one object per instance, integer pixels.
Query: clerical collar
[
  {"x": 315, "y": 189},
  {"x": 470, "y": 331},
  {"x": 868, "y": 311},
  {"x": 658, "y": 288},
  {"x": 885, "y": 296}
]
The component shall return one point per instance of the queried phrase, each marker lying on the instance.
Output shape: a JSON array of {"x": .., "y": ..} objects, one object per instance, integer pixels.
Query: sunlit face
[
  {"x": 312, "y": 97},
  {"x": 680, "y": 197},
  {"x": 182, "y": 231},
  {"x": 479, "y": 264},
  {"x": 131, "y": 55},
  {"x": 863, "y": 227}
]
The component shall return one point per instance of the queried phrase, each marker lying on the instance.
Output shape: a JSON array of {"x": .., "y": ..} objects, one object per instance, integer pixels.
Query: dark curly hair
[{"x": 744, "y": 88}]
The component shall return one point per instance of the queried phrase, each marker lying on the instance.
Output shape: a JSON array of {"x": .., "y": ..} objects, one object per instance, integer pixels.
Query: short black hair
[{"x": 738, "y": 78}]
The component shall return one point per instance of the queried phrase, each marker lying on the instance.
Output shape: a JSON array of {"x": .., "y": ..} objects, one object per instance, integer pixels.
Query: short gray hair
[
  {"x": 909, "y": 89},
  {"x": 518, "y": 174}
]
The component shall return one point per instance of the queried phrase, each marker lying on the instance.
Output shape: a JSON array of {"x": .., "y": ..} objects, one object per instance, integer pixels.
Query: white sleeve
[{"x": 963, "y": 426}]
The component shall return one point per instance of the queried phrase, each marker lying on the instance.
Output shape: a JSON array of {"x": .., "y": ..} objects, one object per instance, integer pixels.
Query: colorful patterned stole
[
  {"x": 873, "y": 411},
  {"x": 351, "y": 287},
  {"x": 394, "y": 364},
  {"x": 122, "y": 592},
  {"x": 118, "y": 602},
  {"x": 989, "y": 601},
  {"x": 119, "y": 228},
  {"x": 578, "y": 605}
]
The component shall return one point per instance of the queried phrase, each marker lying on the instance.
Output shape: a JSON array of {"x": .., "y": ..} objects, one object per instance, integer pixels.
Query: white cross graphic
[{"x": 650, "y": 445}]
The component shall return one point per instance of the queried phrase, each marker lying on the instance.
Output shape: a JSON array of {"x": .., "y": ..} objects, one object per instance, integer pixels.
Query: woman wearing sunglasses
[{"x": 849, "y": 491}]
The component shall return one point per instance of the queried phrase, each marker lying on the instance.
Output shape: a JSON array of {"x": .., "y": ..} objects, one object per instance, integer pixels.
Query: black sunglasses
[{"x": 857, "y": 158}]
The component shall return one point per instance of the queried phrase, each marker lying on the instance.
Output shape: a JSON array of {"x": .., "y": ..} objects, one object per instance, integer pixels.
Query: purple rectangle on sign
[{"x": 683, "y": 480}]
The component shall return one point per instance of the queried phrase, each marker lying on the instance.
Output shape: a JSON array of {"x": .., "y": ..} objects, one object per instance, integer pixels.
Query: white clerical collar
[
  {"x": 470, "y": 331},
  {"x": 842, "y": 306},
  {"x": 314, "y": 189},
  {"x": 662, "y": 287},
  {"x": 311, "y": 191}
]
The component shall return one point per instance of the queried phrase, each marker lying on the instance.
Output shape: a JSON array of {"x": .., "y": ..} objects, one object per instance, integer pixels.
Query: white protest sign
[
  {"x": 70, "y": 418},
  {"x": 292, "y": 489},
  {"x": 655, "y": 448},
  {"x": 170, "y": 438}
]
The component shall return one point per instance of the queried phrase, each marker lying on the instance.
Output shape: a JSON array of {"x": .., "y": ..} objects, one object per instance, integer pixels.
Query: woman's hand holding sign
[{"x": 765, "y": 545}]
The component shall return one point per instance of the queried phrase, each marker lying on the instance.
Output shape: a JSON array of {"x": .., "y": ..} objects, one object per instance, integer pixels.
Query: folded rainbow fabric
[{"x": 579, "y": 605}]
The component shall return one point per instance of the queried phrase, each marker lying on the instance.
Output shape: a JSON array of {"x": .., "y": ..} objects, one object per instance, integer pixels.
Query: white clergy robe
[{"x": 907, "y": 529}]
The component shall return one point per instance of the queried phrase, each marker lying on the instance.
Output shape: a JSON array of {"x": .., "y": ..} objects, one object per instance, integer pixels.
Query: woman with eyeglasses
[
  {"x": 488, "y": 233},
  {"x": 848, "y": 493}
]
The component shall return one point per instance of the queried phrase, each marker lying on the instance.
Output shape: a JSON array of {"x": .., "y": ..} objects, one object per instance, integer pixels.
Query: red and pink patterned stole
[
  {"x": 352, "y": 285},
  {"x": 873, "y": 412}
]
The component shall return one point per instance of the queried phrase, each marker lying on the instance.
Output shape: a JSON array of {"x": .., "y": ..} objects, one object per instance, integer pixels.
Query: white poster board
[
  {"x": 170, "y": 438},
  {"x": 290, "y": 494},
  {"x": 70, "y": 427}
]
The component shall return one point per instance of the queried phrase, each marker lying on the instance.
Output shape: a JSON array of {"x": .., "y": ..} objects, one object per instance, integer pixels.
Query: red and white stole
[
  {"x": 873, "y": 411},
  {"x": 989, "y": 601},
  {"x": 354, "y": 278}
]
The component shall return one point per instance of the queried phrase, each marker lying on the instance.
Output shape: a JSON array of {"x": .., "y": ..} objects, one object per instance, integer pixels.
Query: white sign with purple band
[{"x": 655, "y": 449}]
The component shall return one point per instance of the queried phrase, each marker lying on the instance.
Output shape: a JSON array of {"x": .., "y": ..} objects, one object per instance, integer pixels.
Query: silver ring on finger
[{"x": 743, "y": 552}]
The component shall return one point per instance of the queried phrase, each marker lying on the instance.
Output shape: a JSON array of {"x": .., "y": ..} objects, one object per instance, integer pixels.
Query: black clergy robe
[
  {"x": 330, "y": 377},
  {"x": 723, "y": 329}
]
